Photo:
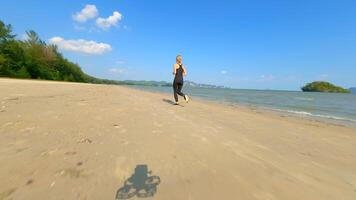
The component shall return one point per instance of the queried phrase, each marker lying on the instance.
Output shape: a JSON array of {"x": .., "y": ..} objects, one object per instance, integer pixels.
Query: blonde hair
[{"x": 178, "y": 56}]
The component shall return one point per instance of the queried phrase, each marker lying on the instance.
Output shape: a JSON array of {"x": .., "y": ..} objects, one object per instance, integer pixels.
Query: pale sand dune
[{"x": 81, "y": 141}]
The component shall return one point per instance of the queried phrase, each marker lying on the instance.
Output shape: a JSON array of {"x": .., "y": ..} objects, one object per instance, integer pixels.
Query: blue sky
[{"x": 242, "y": 43}]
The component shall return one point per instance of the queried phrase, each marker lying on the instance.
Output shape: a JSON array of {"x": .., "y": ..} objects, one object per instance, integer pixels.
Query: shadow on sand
[
  {"x": 171, "y": 102},
  {"x": 140, "y": 184}
]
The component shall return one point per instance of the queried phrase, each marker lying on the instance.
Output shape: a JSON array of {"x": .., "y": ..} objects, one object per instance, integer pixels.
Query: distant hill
[
  {"x": 353, "y": 90},
  {"x": 201, "y": 85},
  {"x": 145, "y": 83},
  {"x": 322, "y": 86}
]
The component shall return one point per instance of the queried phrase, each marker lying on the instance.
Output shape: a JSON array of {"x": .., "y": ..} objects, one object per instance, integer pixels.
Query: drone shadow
[{"x": 140, "y": 184}]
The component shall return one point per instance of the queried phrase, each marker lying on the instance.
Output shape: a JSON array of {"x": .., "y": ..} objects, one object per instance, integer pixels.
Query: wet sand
[{"x": 83, "y": 141}]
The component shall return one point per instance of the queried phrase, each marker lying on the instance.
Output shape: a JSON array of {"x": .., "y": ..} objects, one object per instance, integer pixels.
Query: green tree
[
  {"x": 6, "y": 32},
  {"x": 11, "y": 53},
  {"x": 33, "y": 58},
  {"x": 322, "y": 86}
]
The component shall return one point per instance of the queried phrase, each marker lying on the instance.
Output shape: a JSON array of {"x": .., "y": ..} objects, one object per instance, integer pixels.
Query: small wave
[
  {"x": 316, "y": 115},
  {"x": 304, "y": 98}
]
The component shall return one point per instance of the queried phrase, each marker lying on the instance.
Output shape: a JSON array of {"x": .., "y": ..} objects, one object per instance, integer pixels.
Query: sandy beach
[{"x": 84, "y": 141}]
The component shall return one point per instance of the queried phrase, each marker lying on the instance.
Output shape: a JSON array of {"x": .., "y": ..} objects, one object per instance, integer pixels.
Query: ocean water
[{"x": 328, "y": 106}]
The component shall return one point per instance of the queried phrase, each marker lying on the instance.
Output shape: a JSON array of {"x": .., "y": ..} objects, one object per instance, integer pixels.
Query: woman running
[{"x": 178, "y": 72}]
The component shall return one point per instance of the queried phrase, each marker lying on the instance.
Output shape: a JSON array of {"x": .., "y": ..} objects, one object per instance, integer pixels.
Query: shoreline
[{"x": 333, "y": 120}]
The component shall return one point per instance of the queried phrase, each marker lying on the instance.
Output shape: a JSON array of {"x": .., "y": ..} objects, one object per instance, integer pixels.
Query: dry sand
[{"x": 82, "y": 141}]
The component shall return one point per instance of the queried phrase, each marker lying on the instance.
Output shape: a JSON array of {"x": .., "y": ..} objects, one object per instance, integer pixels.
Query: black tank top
[{"x": 179, "y": 75}]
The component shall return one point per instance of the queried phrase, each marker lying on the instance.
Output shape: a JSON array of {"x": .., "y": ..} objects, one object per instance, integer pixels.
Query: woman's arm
[
  {"x": 184, "y": 70},
  {"x": 174, "y": 69}
]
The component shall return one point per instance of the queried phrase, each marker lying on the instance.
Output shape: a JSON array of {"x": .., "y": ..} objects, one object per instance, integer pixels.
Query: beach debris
[
  {"x": 85, "y": 140},
  {"x": 11, "y": 98},
  {"x": 52, "y": 184},
  {"x": 28, "y": 129},
  {"x": 45, "y": 153},
  {"x": 72, "y": 173},
  {"x": 157, "y": 124},
  {"x": 7, "y": 193},
  {"x": 7, "y": 124},
  {"x": 29, "y": 182},
  {"x": 49, "y": 152},
  {"x": 19, "y": 150},
  {"x": 116, "y": 126},
  {"x": 70, "y": 153},
  {"x": 79, "y": 163}
]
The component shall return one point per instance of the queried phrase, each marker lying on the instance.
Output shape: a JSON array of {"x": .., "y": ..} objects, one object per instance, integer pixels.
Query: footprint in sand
[
  {"x": 211, "y": 129},
  {"x": 11, "y": 98},
  {"x": 82, "y": 104},
  {"x": 157, "y": 124},
  {"x": 156, "y": 131},
  {"x": 201, "y": 138},
  {"x": 122, "y": 171},
  {"x": 28, "y": 129},
  {"x": 73, "y": 173},
  {"x": 29, "y": 182},
  {"x": 7, "y": 124},
  {"x": 123, "y": 130},
  {"x": 7, "y": 193},
  {"x": 117, "y": 126}
]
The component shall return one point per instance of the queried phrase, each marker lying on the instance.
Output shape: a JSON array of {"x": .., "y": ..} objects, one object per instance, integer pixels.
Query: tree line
[{"x": 33, "y": 58}]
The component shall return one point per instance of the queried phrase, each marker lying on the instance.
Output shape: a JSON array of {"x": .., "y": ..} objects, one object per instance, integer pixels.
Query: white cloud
[
  {"x": 81, "y": 46},
  {"x": 88, "y": 12},
  {"x": 106, "y": 23},
  {"x": 223, "y": 72},
  {"x": 291, "y": 78},
  {"x": 120, "y": 62},
  {"x": 117, "y": 70},
  {"x": 323, "y": 76},
  {"x": 245, "y": 79},
  {"x": 79, "y": 28},
  {"x": 264, "y": 78}
]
